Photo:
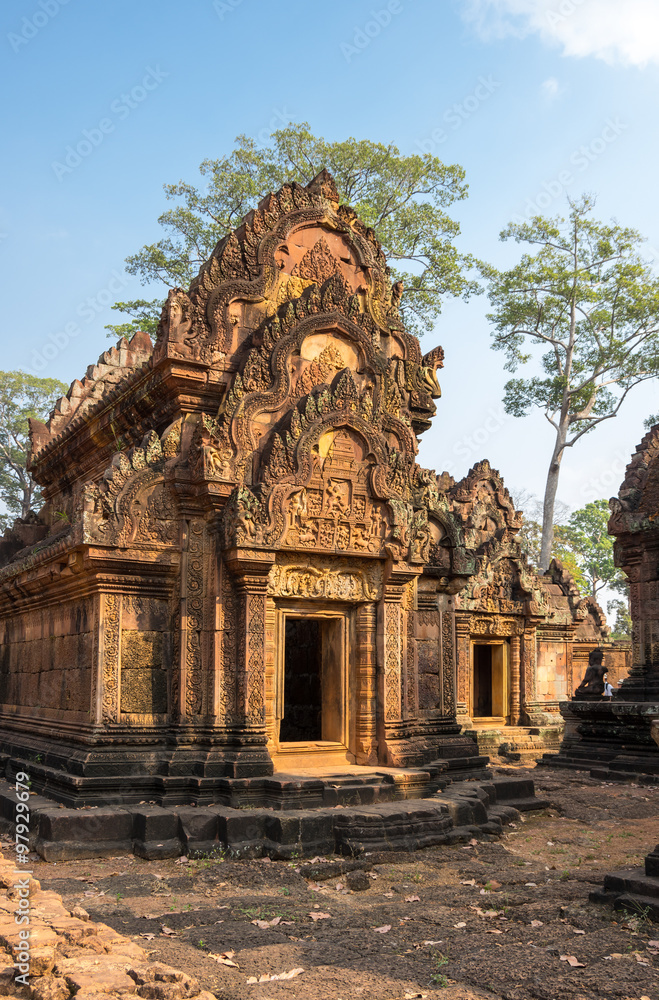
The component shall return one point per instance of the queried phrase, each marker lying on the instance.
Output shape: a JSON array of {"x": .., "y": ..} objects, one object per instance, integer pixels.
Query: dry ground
[{"x": 488, "y": 920}]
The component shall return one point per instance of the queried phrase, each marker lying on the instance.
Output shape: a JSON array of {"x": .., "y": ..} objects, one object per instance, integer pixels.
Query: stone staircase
[
  {"x": 636, "y": 892},
  {"x": 517, "y": 744}
]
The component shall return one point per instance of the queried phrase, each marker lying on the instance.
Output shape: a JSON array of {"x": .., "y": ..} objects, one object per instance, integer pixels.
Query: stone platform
[
  {"x": 635, "y": 891},
  {"x": 612, "y": 739},
  {"x": 353, "y": 819}
]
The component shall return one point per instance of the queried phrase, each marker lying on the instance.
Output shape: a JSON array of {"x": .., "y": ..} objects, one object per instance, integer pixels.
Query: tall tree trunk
[{"x": 550, "y": 499}]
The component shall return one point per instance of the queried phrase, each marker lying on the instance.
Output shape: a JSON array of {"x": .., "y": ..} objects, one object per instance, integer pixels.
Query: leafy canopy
[
  {"x": 586, "y": 538},
  {"x": 583, "y": 308},
  {"x": 403, "y": 198},
  {"x": 591, "y": 302},
  {"x": 21, "y": 396}
]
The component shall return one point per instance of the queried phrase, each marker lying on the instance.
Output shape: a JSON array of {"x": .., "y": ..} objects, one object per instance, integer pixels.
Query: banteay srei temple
[{"x": 241, "y": 571}]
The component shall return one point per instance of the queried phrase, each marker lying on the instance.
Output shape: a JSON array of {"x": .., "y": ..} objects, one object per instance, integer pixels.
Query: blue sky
[{"x": 535, "y": 98}]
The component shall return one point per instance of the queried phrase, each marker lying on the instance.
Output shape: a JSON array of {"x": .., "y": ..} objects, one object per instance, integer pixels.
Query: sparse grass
[{"x": 438, "y": 977}]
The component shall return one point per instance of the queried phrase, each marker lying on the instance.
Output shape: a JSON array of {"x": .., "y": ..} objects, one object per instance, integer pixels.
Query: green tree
[
  {"x": 145, "y": 315},
  {"x": 589, "y": 301},
  {"x": 586, "y": 539},
  {"x": 402, "y": 198},
  {"x": 622, "y": 622},
  {"x": 21, "y": 396}
]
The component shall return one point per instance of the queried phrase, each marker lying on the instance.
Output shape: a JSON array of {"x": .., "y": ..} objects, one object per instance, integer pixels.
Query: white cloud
[
  {"x": 551, "y": 89},
  {"x": 617, "y": 31}
]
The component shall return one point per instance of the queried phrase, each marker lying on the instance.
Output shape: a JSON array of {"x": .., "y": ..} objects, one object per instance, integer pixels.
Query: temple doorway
[
  {"x": 490, "y": 682},
  {"x": 312, "y": 686}
]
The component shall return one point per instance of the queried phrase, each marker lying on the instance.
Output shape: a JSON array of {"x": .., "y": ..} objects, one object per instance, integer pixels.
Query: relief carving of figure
[
  {"x": 298, "y": 508},
  {"x": 336, "y": 498}
]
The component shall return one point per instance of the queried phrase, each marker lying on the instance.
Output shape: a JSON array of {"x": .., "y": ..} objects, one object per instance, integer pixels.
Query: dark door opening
[
  {"x": 303, "y": 701},
  {"x": 482, "y": 682}
]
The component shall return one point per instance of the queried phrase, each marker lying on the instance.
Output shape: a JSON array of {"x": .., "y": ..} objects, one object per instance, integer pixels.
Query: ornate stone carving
[
  {"x": 325, "y": 581},
  {"x": 448, "y": 665},
  {"x": 194, "y": 693},
  {"x": 111, "y": 640}
]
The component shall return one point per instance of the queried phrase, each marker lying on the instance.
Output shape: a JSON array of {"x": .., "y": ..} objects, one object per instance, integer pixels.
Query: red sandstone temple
[{"x": 241, "y": 567}]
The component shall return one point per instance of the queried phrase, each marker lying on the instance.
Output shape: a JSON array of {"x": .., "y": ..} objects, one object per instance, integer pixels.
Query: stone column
[
  {"x": 463, "y": 665},
  {"x": 515, "y": 687},
  {"x": 366, "y": 707},
  {"x": 250, "y": 574},
  {"x": 395, "y": 748}
]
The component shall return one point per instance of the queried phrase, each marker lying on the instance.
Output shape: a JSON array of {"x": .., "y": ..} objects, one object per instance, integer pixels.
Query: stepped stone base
[
  {"x": 611, "y": 739},
  {"x": 458, "y": 813},
  {"x": 635, "y": 891},
  {"x": 523, "y": 744}
]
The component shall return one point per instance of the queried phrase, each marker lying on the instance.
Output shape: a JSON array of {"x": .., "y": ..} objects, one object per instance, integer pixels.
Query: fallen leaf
[
  {"x": 470, "y": 881},
  {"x": 432, "y": 942},
  {"x": 576, "y": 930},
  {"x": 263, "y": 924},
  {"x": 652, "y": 944},
  {"x": 537, "y": 923},
  {"x": 382, "y": 930},
  {"x": 493, "y": 884},
  {"x": 320, "y": 916},
  {"x": 473, "y": 842},
  {"x": 389, "y": 894},
  {"x": 413, "y": 899},
  {"x": 531, "y": 883},
  {"x": 149, "y": 937},
  {"x": 461, "y": 924},
  {"x": 225, "y": 958},
  {"x": 573, "y": 961},
  {"x": 151, "y": 916},
  {"x": 167, "y": 931},
  {"x": 493, "y": 930}
]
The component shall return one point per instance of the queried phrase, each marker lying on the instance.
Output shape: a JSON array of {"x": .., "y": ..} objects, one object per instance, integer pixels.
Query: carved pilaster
[
  {"x": 515, "y": 686},
  {"x": 528, "y": 666},
  {"x": 366, "y": 735},
  {"x": 463, "y": 667},
  {"x": 391, "y": 644},
  {"x": 110, "y": 655},
  {"x": 250, "y": 569},
  {"x": 448, "y": 664}
]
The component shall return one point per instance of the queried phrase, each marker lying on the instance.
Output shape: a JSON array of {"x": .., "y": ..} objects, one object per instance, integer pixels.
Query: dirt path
[{"x": 495, "y": 920}]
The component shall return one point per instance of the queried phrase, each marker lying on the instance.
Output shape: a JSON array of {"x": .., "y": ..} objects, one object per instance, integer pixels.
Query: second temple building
[{"x": 240, "y": 567}]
